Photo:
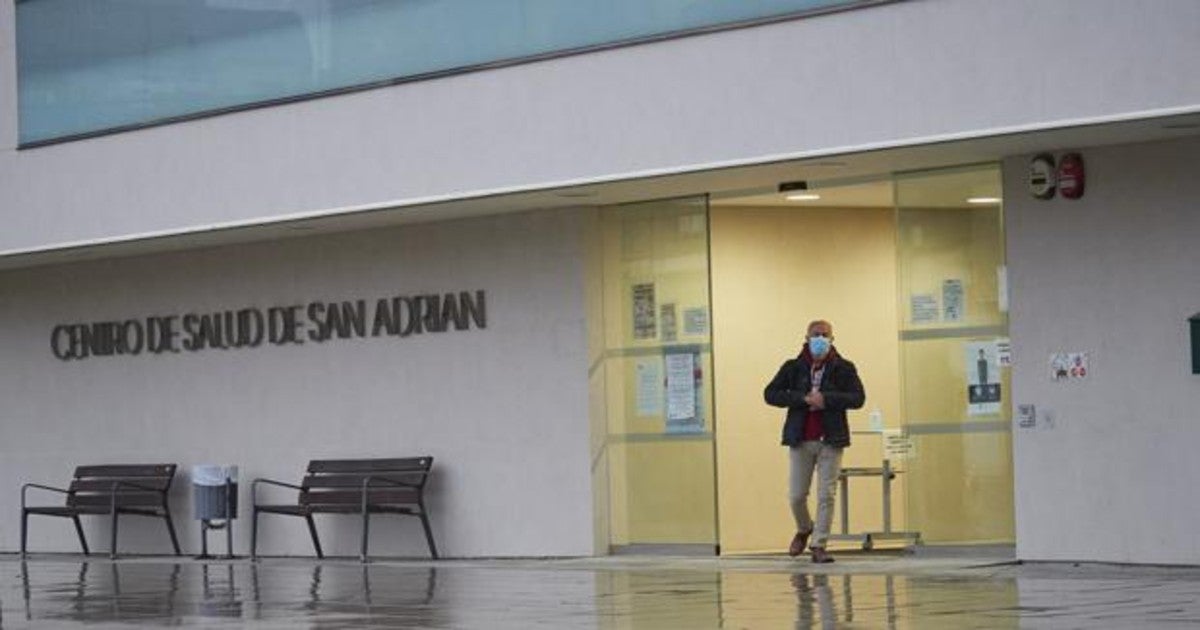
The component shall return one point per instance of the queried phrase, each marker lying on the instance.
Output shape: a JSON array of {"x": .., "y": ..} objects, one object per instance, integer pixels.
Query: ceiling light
[
  {"x": 983, "y": 200},
  {"x": 803, "y": 197}
]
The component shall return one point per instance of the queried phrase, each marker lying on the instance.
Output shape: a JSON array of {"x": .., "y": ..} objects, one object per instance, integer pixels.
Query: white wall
[
  {"x": 503, "y": 410},
  {"x": 1116, "y": 274},
  {"x": 900, "y": 73}
]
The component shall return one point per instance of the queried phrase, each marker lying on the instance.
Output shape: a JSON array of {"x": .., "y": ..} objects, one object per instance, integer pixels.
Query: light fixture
[
  {"x": 803, "y": 197},
  {"x": 984, "y": 200}
]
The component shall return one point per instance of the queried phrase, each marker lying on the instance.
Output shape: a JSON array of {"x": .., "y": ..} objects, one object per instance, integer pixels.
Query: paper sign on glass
[
  {"x": 681, "y": 386},
  {"x": 952, "y": 300},
  {"x": 649, "y": 386}
]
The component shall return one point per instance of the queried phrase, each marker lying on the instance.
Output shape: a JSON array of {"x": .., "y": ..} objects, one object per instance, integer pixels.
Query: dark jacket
[{"x": 840, "y": 385}]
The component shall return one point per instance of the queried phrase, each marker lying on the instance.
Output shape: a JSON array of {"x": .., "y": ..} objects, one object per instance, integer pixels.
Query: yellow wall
[{"x": 774, "y": 269}]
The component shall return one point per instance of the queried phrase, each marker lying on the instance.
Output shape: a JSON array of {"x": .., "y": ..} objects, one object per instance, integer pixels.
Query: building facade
[{"x": 566, "y": 270}]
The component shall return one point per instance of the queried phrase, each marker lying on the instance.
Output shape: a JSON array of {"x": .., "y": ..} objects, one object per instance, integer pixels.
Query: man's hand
[{"x": 815, "y": 399}]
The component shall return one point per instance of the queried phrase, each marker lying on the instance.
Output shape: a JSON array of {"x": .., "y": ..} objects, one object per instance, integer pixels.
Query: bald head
[{"x": 820, "y": 328}]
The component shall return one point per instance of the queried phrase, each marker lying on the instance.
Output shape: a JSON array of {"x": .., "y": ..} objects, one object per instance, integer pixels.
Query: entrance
[
  {"x": 954, "y": 356},
  {"x": 651, "y": 379},
  {"x": 909, "y": 269}
]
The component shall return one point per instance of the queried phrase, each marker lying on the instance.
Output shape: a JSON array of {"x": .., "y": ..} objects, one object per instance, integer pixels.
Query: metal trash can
[{"x": 215, "y": 498}]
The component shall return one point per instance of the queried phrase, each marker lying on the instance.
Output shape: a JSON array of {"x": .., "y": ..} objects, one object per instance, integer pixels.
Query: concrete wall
[
  {"x": 1109, "y": 473},
  {"x": 947, "y": 68},
  {"x": 503, "y": 410}
]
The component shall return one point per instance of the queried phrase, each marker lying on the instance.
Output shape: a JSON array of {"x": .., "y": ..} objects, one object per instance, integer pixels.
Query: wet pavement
[{"x": 876, "y": 590}]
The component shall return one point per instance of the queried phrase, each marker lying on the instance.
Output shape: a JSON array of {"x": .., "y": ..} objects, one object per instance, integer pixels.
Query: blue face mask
[{"x": 818, "y": 346}]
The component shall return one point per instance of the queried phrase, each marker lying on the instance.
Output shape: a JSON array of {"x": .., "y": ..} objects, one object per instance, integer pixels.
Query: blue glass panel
[{"x": 91, "y": 65}]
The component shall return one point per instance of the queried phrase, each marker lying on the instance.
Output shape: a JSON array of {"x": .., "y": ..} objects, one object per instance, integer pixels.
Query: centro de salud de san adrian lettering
[{"x": 251, "y": 327}]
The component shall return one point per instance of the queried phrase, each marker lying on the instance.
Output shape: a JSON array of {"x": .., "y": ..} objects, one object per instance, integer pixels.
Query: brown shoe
[
  {"x": 820, "y": 556},
  {"x": 799, "y": 542}
]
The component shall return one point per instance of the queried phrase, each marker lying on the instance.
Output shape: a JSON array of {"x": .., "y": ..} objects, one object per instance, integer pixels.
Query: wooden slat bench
[
  {"x": 352, "y": 486},
  {"x": 114, "y": 490}
]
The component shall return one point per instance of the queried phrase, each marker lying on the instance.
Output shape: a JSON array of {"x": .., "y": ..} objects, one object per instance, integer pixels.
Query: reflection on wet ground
[{"x": 900, "y": 592}]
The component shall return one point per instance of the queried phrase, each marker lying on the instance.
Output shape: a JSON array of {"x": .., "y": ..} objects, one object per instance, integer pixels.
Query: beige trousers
[{"x": 803, "y": 459}]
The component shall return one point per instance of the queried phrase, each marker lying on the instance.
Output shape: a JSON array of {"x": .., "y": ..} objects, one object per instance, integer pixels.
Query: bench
[
  {"x": 352, "y": 486},
  {"x": 114, "y": 490}
]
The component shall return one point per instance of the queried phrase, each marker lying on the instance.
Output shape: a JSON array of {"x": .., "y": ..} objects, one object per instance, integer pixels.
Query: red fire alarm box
[{"x": 1070, "y": 176}]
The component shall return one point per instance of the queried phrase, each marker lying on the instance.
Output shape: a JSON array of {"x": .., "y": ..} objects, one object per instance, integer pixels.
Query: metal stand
[
  {"x": 867, "y": 539},
  {"x": 225, "y": 524}
]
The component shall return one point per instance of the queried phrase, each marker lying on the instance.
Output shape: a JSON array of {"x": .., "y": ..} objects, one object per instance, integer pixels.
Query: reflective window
[{"x": 87, "y": 66}]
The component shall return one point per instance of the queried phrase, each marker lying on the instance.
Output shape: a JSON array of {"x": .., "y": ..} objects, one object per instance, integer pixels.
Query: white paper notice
[
  {"x": 644, "y": 313},
  {"x": 924, "y": 308},
  {"x": 897, "y": 446},
  {"x": 1027, "y": 416},
  {"x": 875, "y": 420},
  {"x": 681, "y": 387},
  {"x": 649, "y": 386},
  {"x": 1004, "y": 352},
  {"x": 952, "y": 300},
  {"x": 695, "y": 321}
]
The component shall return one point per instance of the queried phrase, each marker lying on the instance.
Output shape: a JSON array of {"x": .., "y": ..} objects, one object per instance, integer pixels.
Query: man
[{"x": 817, "y": 388}]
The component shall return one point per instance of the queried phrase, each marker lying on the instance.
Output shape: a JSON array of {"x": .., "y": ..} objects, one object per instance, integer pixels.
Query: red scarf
[{"x": 813, "y": 429}]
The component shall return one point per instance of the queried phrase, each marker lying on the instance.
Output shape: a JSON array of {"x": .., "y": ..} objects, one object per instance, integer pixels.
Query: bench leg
[
  {"x": 112, "y": 553},
  {"x": 24, "y": 531},
  {"x": 428, "y": 531},
  {"x": 366, "y": 521},
  {"x": 79, "y": 531},
  {"x": 254, "y": 533},
  {"x": 312, "y": 531},
  {"x": 171, "y": 529}
]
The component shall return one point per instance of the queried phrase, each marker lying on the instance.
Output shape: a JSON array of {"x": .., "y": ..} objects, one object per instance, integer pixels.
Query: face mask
[{"x": 818, "y": 346}]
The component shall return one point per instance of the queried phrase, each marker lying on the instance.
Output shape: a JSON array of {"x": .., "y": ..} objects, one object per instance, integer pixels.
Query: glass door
[
  {"x": 652, "y": 402},
  {"x": 954, "y": 356}
]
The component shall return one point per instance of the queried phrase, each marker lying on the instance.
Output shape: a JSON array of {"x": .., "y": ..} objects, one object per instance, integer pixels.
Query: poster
[
  {"x": 644, "y": 313},
  {"x": 667, "y": 322},
  {"x": 681, "y": 386},
  {"x": 695, "y": 321},
  {"x": 685, "y": 392},
  {"x": 983, "y": 377},
  {"x": 924, "y": 308},
  {"x": 649, "y": 386},
  {"x": 952, "y": 300}
]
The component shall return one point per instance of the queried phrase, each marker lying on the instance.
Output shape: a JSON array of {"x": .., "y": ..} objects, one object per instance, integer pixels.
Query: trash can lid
[{"x": 213, "y": 474}]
